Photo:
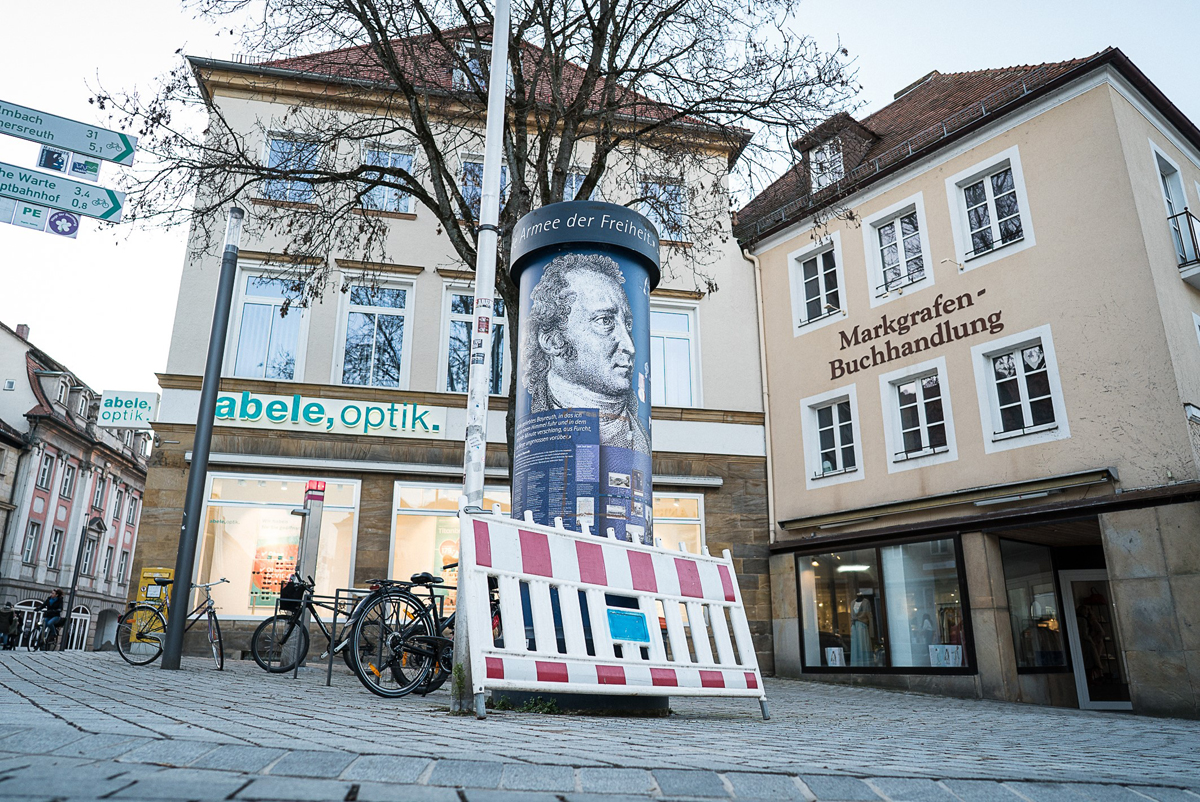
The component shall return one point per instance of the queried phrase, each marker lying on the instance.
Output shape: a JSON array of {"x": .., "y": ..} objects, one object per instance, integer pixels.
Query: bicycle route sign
[
  {"x": 45, "y": 189},
  {"x": 77, "y": 137}
]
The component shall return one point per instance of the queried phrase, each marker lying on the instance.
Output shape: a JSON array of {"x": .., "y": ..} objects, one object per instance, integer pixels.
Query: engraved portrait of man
[{"x": 578, "y": 346}]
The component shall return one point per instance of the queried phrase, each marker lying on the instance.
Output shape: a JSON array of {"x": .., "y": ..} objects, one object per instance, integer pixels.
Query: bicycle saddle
[
  {"x": 158, "y": 580},
  {"x": 425, "y": 578}
]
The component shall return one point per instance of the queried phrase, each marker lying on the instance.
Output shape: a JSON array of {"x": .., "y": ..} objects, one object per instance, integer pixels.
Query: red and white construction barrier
[{"x": 695, "y": 597}]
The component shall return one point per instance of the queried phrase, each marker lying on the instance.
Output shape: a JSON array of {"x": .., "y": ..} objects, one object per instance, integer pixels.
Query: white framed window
[
  {"x": 817, "y": 281},
  {"x": 251, "y": 537},
  {"x": 674, "y": 355},
  {"x": 98, "y": 495},
  {"x": 574, "y": 183},
  {"x": 825, "y": 164},
  {"x": 375, "y": 343},
  {"x": 832, "y": 440},
  {"x": 478, "y": 57},
  {"x": 68, "y": 482},
  {"x": 108, "y": 555},
  {"x": 89, "y": 556},
  {"x": 131, "y": 515},
  {"x": 46, "y": 472},
  {"x": 10, "y": 384},
  {"x": 918, "y": 422},
  {"x": 52, "y": 553},
  {"x": 82, "y": 406},
  {"x": 122, "y": 565},
  {"x": 665, "y": 204},
  {"x": 387, "y": 199},
  {"x": 64, "y": 390},
  {"x": 896, "y": 243},
  {"x": 118, "y": 503},
  {"x": 990, "y": 213},
  {"x": 1176, "y": 202},
  {"x": 471, "y": 183},
  {"x": 679, "y": 518},
  {"x": 266, "y": 344},
  {"x": 296, "y": 156},
  {"x": 29, "y": 551},
  {"x": 1196, "y": 325},
  {"x": 458, "y": 328},
  {"x": 1021, "y": 400}
]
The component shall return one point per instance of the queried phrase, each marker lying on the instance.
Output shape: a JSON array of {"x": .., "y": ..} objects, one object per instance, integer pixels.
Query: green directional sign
[
  {"x": 50, "y": 129},
  {"x": 56, "y": 192}
]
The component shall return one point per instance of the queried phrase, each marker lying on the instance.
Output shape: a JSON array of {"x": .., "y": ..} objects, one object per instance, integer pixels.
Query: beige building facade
[{"x": 982, "y": 312}]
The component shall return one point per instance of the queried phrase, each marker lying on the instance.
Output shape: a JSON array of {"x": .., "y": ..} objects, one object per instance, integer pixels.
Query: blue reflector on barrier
[{"x": 626, "y": 625}]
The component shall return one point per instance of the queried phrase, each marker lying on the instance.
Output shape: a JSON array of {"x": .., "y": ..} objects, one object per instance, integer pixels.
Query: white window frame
[
  {"x": 345, "y": 307},
  {"x": 122, "y": 566},
  {"x": 131, "y": 513},
  {"x": 391, "y": 149},
  {"x": 871, "y": 226},
  {"x": 98, "y": 493},
  {"x": 582, "y": 174},
  {"x": 795, "y": 262},
  {"x": 1196, "y": 325},
  {"x": 54, "y": 548},
  {"x": 651, "y": 214},
  {"x": 1181, "y": 249},
  {"x": 692, "y": 310},
  {"x": 396, "y": 511},
  {"x": 989, "y": 410},
  {"x": 813, "y": 478},
  {"x": 699, "y": 499},
  {"x": 247, "y": 270},
  {"x": 118, "y": 503},
  {"x": 889, "y": 383},
  {"x": 477, "y": 158},
  {"x": 64, "y": 393},
  {"x": 459, "y": 287},
  {"x": 108, "y": 558},
  {"x": 89, "y": 556},
  {"x": 955, "y": 196},
  {"x": 458, "y": 77},
  {"x": 67, "y": 488},
  {"x": 29, "y": 550},
  {"x": 83, "y": 404},
  {"x": 266, "y": 161},
  {"x": 45, "y": 477},
  {"x": 832, "y": 157}
]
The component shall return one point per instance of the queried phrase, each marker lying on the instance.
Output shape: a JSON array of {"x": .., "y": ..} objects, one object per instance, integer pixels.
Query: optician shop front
[{"x": 391, "y": 462}]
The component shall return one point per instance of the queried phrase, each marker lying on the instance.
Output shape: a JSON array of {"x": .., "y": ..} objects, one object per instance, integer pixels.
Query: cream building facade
[{"x": 982, "y": 312}]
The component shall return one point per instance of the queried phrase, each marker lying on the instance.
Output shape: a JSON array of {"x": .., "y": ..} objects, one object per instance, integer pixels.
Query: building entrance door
[{"x": 1096, "y": 653}]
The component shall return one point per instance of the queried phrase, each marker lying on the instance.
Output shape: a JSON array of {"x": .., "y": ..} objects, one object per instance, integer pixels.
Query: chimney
[{"x": 23, "y": 331}]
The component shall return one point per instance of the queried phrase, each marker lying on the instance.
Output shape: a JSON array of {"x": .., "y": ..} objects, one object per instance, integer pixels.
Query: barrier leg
[
  {"x": 763, "y": 704},
  {"x": 480, "y": 710}
]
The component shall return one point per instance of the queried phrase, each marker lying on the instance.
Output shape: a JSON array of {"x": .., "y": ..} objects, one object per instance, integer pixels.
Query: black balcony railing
[{"x": 1185, "y": 233}]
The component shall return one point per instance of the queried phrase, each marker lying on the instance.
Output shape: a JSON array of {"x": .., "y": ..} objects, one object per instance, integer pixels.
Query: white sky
[{"x": 104, "y": 303}]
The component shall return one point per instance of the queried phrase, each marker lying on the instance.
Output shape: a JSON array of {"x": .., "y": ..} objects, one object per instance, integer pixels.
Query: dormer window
[
  {"x": 476, "y": 57},
  {"x": 825, "y": 165},
  {"x": 64, "y": 390},
  {"x": 82, "y": 407}
]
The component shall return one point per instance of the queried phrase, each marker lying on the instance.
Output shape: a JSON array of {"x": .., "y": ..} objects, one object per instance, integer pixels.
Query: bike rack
[{"x": 343, "y": 598}]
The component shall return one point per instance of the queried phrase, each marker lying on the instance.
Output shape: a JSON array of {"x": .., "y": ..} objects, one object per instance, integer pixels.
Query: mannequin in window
[{"x": 860, "y": 631}]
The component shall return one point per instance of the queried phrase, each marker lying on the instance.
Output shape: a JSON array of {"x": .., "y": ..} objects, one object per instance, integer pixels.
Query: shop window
[
  {"x": 381, "y": 198},
  {"x": 29, "y": 551},
  {"x": 460, "y": 326},
  {"x": 673, "y": 352},
  {"x": 679, "y": 518},
  {"x": 252, "y": 539},
  {"x": 425, "y": 532},
  {"x": 1033, "y": 607},
  {"x": 893, "y": 607},
  {"x": 46, "y": 472},
  {"x": 295, "y": 157},
  {"x": 374, "y": 354},
  {"x": 267, "y": 341}
]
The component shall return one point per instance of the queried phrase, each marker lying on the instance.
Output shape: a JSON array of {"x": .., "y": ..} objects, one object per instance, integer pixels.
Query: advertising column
[{"x": 582, "y": 448}]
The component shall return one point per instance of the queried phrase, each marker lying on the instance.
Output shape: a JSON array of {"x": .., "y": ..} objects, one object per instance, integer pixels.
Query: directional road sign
[
  {"x": 57, "y": 192},
  {"x": 50, "y": 129}
]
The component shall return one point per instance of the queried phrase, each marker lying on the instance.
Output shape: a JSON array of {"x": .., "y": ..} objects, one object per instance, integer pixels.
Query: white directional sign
[
  {"x": 57, "y": 192},
  {"x": 50, "y": 129}
]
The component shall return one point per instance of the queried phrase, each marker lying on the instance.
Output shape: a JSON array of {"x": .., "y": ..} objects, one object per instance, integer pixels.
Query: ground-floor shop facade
[
  {"x": 390, "y": 511},
  {"x": 1056, "y": 606}
]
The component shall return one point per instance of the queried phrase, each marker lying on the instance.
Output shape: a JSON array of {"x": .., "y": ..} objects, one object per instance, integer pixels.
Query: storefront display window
[
  {"x": 893, "y": 607},
  {"x": 679, "y": 519},
  {"x": 1033, "y": 607},
  {"x": 252, "y": 539}
]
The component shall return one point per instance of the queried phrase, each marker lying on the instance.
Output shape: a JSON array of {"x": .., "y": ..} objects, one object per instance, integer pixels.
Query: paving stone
[
  {"x": 1106, "y": 793},
  {"x": 1047, "y": 792},
  {"x": 1165, "y": 794},
  {"x": 76, "y": 783},
  {"x": 41, "y": 741},
  {"x": 526, "y": 777},
  {"x": 828, "y": 788},
  {"x": 386, "y": 768},
  {"x": 101, "y": 747},
  {"x": 981, "y": 791},
  {"x": 305, "y": 763},
  {"x": 582, "y": 797},
  {"x": 168, "y": 753},
  {"x": 184, "y": 784},
  {"x": 467, "y": 773},
  {"x": 295, "y": 789},
  {"x": 763, "y": 786},
  {"x": 905, "y": 790},
  {"x": 386, "y": 792},
  {"x": 689, "y": 782},
  {"x": 249, "y": 759},
  {"x": 496, "y": 795},
  {"x": 615, "y": 781}
]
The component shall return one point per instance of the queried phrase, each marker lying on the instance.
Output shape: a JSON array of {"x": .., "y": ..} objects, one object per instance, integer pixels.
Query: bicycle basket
[{"x": 291, "y": 594}]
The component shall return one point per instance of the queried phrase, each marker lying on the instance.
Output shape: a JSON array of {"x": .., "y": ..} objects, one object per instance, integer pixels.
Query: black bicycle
[
  {"x": 39, "y": 641},
  {"x": 143, "y": 628},
  {"x": 281, "y": 642}
]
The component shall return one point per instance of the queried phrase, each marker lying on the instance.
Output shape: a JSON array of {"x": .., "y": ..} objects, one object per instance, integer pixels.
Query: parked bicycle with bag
[{"x": 281, "y": 642}]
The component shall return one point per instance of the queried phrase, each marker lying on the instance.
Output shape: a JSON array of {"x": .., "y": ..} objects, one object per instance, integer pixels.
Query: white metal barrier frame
[
  {"x": 31, "y": 621},
  {"x": 630, "y": 658}
]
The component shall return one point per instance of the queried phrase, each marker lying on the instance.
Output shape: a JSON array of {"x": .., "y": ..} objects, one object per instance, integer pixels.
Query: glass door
[{"x": 1096, "y": 653}]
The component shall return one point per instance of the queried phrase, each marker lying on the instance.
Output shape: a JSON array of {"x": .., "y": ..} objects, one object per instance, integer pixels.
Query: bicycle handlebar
[{"x": 210, "y": 584}]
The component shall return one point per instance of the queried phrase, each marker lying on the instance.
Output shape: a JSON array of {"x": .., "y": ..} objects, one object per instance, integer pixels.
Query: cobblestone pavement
[{"x": 88, "y": 726}]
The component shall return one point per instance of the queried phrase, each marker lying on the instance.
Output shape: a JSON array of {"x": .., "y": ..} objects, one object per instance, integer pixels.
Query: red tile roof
[{"x": 923, "y": 116}]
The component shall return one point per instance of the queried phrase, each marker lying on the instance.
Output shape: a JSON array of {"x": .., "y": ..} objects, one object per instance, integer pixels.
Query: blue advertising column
[{"x": 582, "y": 448}]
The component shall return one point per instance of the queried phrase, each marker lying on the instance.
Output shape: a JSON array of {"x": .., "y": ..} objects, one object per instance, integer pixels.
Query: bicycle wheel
[
  {"x": 215, "y": 642},
  {"x": 35, "y": 640},
  {"x": 279, "y": 644},
  {"x": 140, "y": 634},
  {"x": 386, "y": 646}
]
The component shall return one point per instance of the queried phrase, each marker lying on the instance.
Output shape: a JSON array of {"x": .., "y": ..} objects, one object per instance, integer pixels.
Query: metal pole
[
  {"x": 194, "y": 500},
  {"x": 480, "y": 374},
  {"x": 68, "y": 612}
]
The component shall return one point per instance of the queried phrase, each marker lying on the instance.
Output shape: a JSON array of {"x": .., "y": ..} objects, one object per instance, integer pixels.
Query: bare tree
[{"x": 651, "y": 102}]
